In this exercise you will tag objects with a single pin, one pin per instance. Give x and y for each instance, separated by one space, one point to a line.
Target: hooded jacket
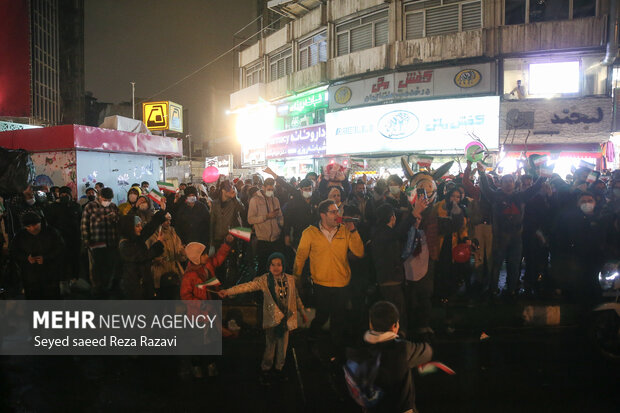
265 229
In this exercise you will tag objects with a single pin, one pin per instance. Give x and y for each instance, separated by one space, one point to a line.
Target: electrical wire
212 61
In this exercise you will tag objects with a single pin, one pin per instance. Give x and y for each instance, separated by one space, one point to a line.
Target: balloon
210 174
475 152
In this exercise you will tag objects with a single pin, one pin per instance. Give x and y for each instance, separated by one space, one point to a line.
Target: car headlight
609 277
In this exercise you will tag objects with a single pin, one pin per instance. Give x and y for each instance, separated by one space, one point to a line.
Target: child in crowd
280 305
398 357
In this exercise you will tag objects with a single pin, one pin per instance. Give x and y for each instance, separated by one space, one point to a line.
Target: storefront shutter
274 71
381 33
414 26
472 16
323 51
343 44
442 20
361 38
289 65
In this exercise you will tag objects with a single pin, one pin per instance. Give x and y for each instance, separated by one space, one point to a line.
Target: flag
541 160
167 186
241 233
546 170
432 367
156 196
211 282
592 177
484 336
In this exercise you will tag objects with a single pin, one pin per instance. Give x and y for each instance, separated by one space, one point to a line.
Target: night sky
158 42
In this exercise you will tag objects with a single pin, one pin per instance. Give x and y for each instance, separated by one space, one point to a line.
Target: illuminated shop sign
309 141
442 125
413 85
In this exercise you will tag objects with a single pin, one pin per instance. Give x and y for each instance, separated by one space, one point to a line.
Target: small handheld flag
166 186
241 233
211 282
432 366
156 196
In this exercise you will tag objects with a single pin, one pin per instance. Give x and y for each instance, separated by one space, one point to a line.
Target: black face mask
91 197
64 200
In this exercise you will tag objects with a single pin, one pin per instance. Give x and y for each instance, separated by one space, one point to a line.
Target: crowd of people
347 242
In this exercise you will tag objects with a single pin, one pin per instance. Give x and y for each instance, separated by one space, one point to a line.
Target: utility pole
133 99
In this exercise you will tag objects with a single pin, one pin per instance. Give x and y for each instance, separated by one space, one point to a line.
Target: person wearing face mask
577 250
299 213
65 216
226 212
90 194
132 197
100 236
191 218
266 218
143 209
396 198
170 261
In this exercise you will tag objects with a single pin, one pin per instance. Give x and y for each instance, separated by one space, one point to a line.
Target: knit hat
30 218
274 256
194 250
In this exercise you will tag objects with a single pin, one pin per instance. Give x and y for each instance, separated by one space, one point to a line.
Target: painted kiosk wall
76 155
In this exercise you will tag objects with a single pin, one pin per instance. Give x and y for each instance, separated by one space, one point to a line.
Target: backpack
360 373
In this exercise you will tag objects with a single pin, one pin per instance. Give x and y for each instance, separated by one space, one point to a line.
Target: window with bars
280 64
362 33
435 17
313 50
253 74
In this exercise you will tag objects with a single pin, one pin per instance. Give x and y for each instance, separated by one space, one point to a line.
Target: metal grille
414 25
442 20
471 16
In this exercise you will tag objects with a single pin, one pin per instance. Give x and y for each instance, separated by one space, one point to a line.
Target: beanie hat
194 250
274 256
30 218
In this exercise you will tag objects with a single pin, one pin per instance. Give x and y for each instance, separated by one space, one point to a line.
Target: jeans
507 247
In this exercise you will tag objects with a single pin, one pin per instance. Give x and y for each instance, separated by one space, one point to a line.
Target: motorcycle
604 329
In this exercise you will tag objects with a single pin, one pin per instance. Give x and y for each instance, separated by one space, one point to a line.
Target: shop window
313 50
363 33
436 17
253 74
562 76
532 11
280 64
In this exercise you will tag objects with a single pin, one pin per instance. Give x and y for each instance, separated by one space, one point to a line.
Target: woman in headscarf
169 262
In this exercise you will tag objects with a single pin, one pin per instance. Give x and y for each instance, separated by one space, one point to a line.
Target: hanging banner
308 141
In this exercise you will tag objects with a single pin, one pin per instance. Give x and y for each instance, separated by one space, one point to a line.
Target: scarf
281 328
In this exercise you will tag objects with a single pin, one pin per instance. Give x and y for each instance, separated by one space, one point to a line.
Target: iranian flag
241 233
166 186
211 282
156 196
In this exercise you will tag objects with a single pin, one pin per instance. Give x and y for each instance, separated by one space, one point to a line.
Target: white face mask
268 194
306 194
587 207
394 190
133 197
191 199
106 204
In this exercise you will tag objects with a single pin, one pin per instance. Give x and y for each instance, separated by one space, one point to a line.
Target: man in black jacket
65 216
191 219
37 250
299 213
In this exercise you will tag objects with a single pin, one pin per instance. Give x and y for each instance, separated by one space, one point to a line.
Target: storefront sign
222 162
413 85
252 156
551 121
308 141
436 125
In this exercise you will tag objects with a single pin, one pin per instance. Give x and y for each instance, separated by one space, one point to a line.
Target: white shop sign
413 85
436 125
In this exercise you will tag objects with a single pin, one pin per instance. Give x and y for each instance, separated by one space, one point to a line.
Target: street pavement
517 369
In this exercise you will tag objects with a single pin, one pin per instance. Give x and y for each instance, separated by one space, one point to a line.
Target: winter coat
192 223
394 377
450 225
298 215
41 281
386 249
100 224
197 274
169 260
66 217
272 315
329 265
137 258
260 206
224 215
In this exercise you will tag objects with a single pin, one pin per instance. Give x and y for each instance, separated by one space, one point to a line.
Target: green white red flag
167 186
241 233
156 196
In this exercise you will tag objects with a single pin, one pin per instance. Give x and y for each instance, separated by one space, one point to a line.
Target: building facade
430 76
